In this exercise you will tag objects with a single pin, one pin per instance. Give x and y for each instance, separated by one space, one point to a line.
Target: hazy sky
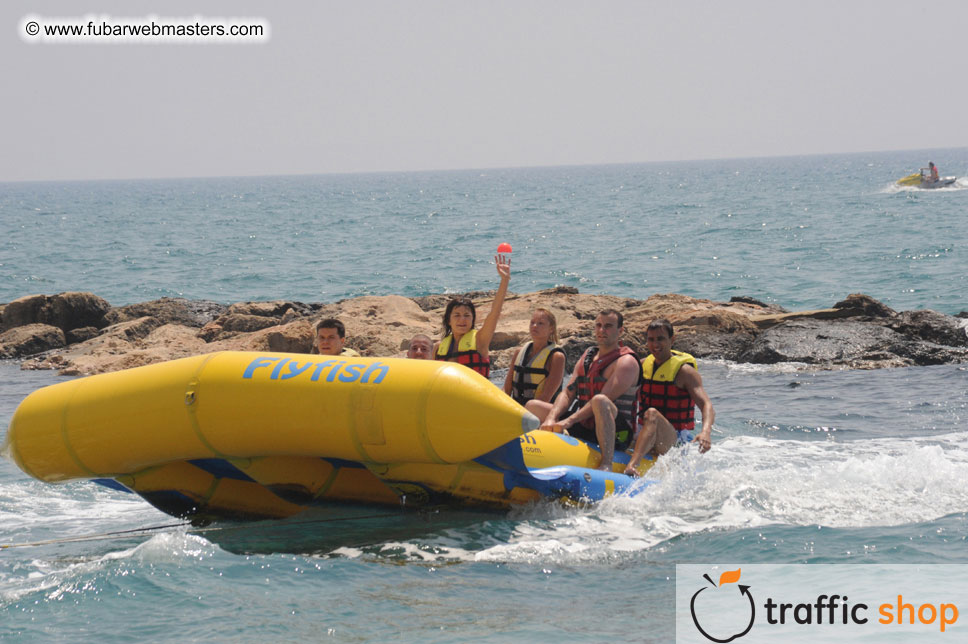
405 85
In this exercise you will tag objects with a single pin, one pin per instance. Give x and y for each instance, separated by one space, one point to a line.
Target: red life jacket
660 391
464 352
589 382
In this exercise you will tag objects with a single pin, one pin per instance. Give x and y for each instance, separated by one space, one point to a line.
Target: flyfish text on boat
327 370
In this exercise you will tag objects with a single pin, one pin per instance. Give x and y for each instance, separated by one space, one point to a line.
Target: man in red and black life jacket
604 387
671 390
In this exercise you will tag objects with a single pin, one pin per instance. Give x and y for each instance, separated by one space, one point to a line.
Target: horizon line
472 169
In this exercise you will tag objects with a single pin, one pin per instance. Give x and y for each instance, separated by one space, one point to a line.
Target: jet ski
922 179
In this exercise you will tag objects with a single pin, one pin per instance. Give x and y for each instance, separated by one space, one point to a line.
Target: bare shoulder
625 370
628 361
688 376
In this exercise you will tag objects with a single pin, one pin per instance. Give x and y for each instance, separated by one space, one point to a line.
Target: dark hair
618 315
660 323
331 323
453 304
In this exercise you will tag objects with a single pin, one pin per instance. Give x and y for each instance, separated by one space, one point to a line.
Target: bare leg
539 408
657 437
605 412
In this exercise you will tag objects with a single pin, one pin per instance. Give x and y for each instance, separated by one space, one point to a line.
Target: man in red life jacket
605 386
671 390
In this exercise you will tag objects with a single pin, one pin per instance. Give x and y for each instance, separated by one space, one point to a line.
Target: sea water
807 467
800 232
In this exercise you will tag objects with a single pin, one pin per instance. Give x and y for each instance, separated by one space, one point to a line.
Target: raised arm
487 329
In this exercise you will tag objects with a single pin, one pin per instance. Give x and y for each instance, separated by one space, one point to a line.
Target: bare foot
631 471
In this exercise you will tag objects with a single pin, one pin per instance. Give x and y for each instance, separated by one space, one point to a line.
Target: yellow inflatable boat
258 435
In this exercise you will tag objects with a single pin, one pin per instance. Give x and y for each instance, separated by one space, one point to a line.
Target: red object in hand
504 247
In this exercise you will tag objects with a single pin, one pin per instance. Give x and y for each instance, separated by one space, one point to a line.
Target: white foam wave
861 483
424 552
57 576
744 482
750 368
347 552
961 183
81 507
58 504
171 547
753 481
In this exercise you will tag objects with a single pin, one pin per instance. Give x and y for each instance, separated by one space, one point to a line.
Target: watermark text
102 28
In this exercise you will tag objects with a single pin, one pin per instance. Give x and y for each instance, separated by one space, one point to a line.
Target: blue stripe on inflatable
507 457
339 462
220 468
171 502
114 485
578 483
582 483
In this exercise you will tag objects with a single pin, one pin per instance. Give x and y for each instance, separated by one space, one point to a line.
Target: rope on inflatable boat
93 537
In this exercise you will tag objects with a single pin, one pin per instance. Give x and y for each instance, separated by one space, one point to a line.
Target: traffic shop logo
725 611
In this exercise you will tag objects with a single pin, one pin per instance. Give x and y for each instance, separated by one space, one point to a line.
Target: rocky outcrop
29 339
242 323
120 346
248 317
275 309
292 337
857 332
860 304
821 341
66 311
168 310
931 326
82 334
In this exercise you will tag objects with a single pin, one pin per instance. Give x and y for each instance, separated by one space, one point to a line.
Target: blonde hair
553 321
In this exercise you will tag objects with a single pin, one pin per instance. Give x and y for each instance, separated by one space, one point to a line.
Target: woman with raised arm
463 343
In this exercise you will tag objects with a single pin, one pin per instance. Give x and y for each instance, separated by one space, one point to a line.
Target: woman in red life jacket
463 343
